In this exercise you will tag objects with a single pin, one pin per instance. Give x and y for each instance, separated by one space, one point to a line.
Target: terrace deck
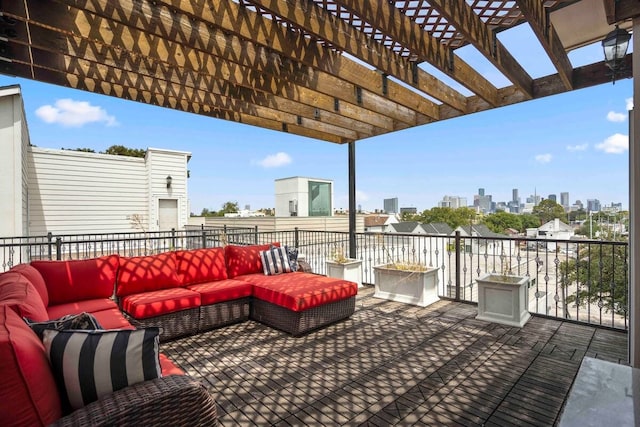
395 364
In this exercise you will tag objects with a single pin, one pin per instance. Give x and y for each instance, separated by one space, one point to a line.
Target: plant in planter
411 283
502 298
342 267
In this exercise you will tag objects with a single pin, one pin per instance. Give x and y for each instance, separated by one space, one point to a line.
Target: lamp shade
615 46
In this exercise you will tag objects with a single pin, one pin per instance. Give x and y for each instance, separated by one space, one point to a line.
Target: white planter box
503 299
350 270
411 287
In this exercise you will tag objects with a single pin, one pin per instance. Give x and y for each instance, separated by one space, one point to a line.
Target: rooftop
395 364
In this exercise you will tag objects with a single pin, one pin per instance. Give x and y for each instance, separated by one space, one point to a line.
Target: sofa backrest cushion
147 273
36 280
201 265
28 396
244 259
77 280
17 292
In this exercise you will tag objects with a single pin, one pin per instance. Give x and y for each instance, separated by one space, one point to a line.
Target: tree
83 150
453 217
600 274
499 222
229 207
529 221
121 150
547 210
578 215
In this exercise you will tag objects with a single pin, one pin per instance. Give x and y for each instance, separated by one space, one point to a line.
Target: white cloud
615 144
543 158
577 147
629 102
70 113
275 160
612 116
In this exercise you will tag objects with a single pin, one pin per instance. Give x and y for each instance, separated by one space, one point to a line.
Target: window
319 198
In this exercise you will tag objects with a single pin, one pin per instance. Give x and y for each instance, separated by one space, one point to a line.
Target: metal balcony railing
579 280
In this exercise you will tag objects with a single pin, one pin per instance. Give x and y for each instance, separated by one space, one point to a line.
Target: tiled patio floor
395 364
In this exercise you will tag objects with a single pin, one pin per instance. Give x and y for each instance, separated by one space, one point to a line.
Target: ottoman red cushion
300 291
222 290
201 265
77 280
157 303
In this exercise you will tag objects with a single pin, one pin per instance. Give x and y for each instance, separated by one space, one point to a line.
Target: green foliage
579 215
547 210
121 150
453 217
228 207
530 221
600 271
83 150
499 222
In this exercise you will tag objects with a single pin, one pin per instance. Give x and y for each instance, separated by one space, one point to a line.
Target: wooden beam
469 24
239 20
621 10
386 18
535 13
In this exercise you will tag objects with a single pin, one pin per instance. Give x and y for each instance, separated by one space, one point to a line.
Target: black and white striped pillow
275 261
90 364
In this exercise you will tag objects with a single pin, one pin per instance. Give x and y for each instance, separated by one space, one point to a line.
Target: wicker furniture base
300 322
172 325
223 313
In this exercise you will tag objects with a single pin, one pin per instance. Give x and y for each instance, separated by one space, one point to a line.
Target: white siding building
64 192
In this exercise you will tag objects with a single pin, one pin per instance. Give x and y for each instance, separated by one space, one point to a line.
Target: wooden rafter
543 28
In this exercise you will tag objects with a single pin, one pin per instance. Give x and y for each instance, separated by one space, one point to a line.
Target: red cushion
156 303
112 319
300 291
244 259
222 290
147 273
17 292
78 280
28 395
201 265
168 367
90 306
36 280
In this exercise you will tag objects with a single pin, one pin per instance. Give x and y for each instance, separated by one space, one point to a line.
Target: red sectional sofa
48 290
181 292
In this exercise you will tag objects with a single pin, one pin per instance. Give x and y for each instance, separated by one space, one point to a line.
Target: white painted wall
14 136
338 223
295 188
161 164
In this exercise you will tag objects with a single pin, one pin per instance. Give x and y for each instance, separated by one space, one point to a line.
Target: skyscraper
514 195
553 197
564 200
481 192
391 205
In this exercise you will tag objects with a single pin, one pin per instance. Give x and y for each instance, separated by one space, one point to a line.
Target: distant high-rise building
553 197
483 202
534 198
481 192
514 195
564 200
593 205
391 205
409 210
453 202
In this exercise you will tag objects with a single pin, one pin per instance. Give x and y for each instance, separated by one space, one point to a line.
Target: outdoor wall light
169 179
615 46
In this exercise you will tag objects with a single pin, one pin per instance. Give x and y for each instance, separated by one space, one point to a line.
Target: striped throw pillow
275 261
90 364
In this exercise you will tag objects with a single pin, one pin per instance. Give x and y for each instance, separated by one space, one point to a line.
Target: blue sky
575 142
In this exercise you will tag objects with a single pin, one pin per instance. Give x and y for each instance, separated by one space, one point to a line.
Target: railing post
457 296
255 235
58 248
296 238
204 239
50 238
173 239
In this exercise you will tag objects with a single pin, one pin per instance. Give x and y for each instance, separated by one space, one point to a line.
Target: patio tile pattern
395 364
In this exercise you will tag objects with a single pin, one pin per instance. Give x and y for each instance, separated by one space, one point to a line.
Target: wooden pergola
333 70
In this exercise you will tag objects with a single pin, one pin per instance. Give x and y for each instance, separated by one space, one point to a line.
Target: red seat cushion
34 276
112 319
156 303
17 292
201 265
300 291
147 273
77 280
28 395
168 367
90 306
244 259
222 290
